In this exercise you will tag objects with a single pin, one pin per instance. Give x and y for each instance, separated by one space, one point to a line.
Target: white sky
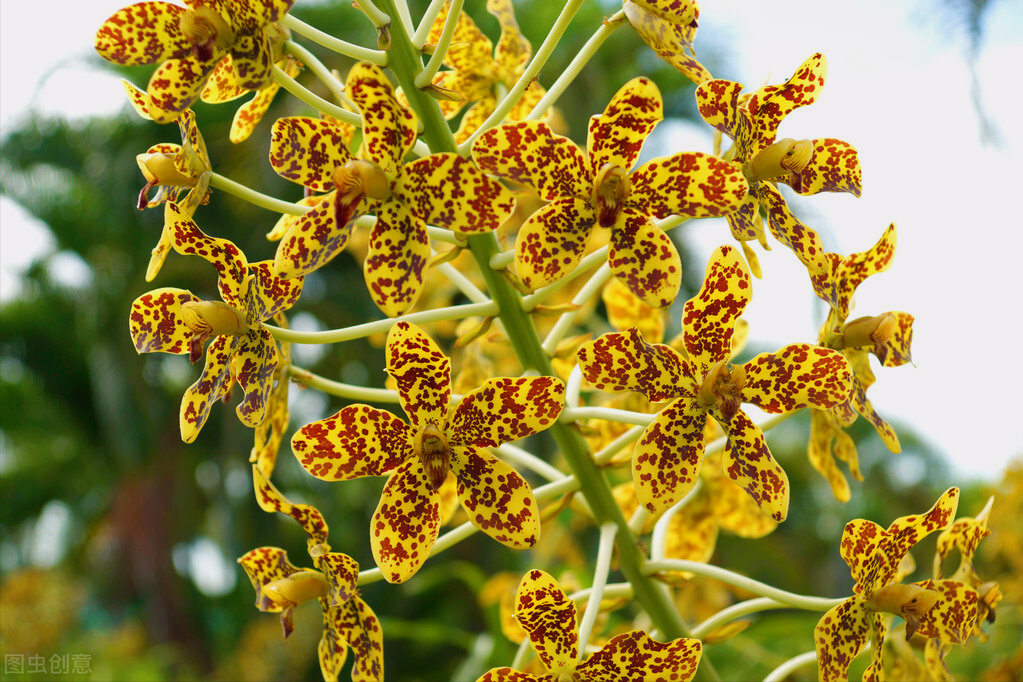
897 89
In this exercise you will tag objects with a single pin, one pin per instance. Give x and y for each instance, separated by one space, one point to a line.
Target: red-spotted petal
529 153
222 86
470 48
270 499
268 293
252 59
264 565
509 675
422 373
708 319
645 259
506 409
837 283
667 458
770 104
211 386
616 136
406 522
308 150
229 261
623 361
342 573
251 113
176 85
637 656
512 50
549 619
357 441
790 230
496 498
552 241
873 553
952 618
143 33
388 128
839 637
254 365
448 190
354 623
399 253
835 167
744 222
689 184
796 376
749 463
317 237
156 324
718 102
668 28
898 344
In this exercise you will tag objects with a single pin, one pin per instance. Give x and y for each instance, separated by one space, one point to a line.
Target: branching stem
331 43
606 544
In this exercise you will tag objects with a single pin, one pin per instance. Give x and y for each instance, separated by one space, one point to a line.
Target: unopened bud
782 157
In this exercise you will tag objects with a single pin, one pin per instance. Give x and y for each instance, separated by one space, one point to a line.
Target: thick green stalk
406 63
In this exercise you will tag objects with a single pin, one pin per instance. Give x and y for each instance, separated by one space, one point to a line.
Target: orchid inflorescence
436 204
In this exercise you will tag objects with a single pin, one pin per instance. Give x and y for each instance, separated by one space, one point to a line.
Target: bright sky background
897 88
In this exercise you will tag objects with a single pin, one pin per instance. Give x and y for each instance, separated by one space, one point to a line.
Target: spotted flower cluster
422 172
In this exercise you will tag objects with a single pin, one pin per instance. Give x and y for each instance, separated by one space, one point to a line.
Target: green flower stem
375 15
331 43
502 260
756 587
574 387
571 414
471 291
314 100
638 520
605 548
743 608
359 331
336 87
785 670
406 18
218 181
531 72
521 459
565 322
567 484
606 453
572 70
310 380
425 77
585 265
654 598
426 23
441 235
613 591
659 539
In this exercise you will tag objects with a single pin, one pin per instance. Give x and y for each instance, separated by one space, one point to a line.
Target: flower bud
782 157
